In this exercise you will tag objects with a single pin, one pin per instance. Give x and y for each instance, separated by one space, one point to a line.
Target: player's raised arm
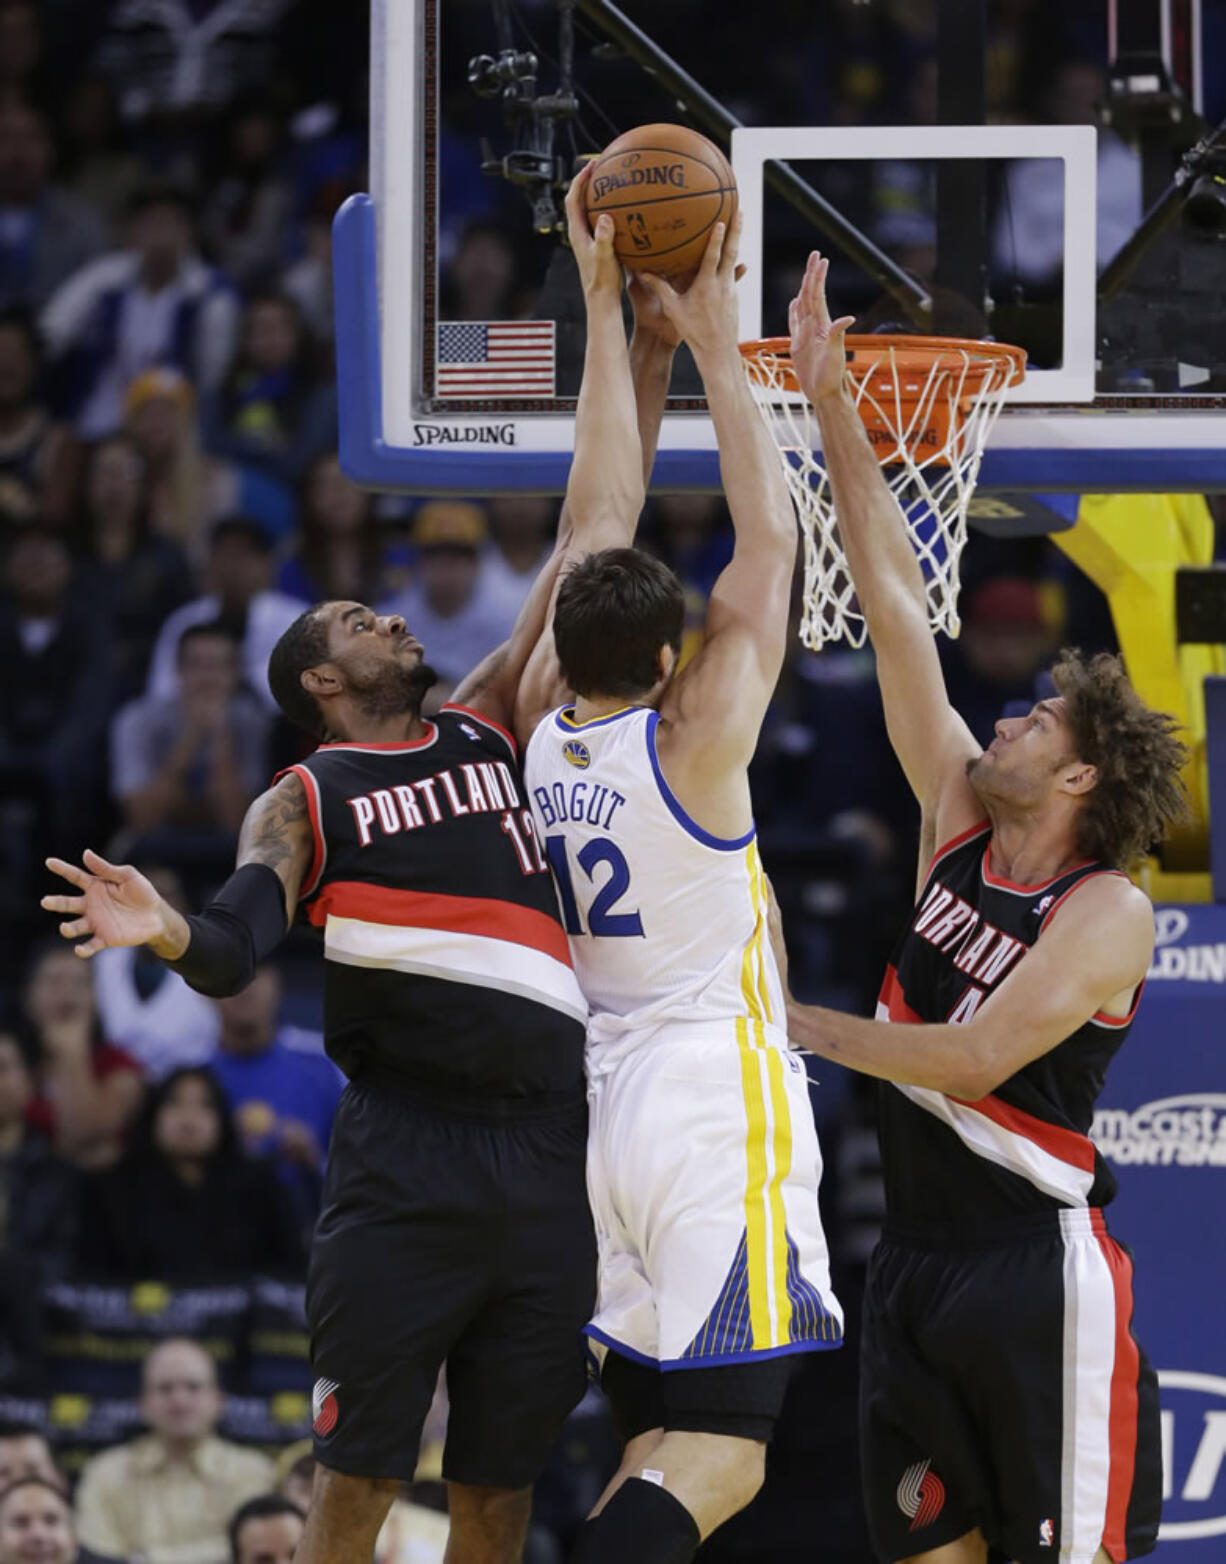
931 740
715 709
1090 959
217 951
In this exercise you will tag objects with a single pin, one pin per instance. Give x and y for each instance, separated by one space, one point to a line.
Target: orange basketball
665 188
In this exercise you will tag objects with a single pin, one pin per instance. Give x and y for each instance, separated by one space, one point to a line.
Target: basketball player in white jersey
703 1164
1005 1402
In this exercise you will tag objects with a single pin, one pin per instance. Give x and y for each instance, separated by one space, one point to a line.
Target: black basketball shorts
1001 1387
450 1237
743 1400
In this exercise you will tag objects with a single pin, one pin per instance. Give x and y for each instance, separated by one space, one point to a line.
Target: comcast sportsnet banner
1161 1123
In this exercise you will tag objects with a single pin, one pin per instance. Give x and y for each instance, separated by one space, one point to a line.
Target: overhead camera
1204 206
532 163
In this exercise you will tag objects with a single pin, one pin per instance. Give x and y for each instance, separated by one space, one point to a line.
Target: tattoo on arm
277 830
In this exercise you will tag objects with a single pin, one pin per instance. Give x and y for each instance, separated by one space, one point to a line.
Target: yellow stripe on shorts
755 1189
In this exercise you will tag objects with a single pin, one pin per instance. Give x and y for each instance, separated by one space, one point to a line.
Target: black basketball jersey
1025 1148
446 958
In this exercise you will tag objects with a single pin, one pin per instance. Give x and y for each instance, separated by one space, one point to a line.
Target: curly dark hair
1139 793
304 645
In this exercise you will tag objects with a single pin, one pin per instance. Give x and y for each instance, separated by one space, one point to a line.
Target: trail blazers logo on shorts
324 1410
921 1495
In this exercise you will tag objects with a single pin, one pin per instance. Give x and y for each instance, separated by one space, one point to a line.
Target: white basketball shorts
703 1173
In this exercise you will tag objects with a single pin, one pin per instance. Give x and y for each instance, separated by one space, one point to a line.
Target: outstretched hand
117 906
818 355
705 313
600 271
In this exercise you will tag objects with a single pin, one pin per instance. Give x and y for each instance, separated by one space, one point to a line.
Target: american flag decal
484 358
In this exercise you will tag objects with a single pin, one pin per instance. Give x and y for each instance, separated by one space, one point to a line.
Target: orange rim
909 359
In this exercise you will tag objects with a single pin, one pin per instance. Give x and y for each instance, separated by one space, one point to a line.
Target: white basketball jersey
667 923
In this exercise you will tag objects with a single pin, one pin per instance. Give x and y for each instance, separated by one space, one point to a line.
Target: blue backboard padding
374 464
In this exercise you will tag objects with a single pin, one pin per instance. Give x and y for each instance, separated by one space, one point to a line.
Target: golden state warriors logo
577 754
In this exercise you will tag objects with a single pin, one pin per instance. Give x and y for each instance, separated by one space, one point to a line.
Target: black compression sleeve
243 923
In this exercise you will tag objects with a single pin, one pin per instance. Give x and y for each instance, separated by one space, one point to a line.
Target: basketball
665 188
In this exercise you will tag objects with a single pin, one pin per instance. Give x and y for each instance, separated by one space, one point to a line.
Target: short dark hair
615 610
15 1427
304 645
1138 794
246 528
38 1482
210 627
162 192
262 1507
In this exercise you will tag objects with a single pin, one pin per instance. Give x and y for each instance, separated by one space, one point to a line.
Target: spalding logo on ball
324 1410
665 187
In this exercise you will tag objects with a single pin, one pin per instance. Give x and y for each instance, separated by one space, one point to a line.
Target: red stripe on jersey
483 915
1060 900
1013 885
894 1000
310 788
1106 1020
954 841
1065 1145
1122 1418
488 722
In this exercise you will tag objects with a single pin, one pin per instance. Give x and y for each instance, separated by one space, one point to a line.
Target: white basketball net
929 428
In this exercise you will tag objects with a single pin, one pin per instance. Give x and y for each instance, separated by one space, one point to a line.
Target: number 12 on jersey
601 918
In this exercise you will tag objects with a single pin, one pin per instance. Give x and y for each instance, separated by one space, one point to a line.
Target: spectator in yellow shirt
167 1498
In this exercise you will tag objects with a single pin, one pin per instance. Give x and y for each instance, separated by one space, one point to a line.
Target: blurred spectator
24 1452
452 608
694 532
167 1498
184 1204
136 576
149 1010
187 490
482 282
522 527
266 1530
1028 234
340 551
294 1473
282 1098
269 413
156 302
89 1091
21 51
238 577
98 166
183 56
37 1203
36 1526
246 221
998 656
45 233
308 281
185 767
35 452
58 676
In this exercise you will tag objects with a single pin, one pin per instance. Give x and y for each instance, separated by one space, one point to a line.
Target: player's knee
494 1517
741 1471
339 1500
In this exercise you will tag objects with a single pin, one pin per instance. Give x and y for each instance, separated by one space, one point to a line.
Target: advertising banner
1161 1123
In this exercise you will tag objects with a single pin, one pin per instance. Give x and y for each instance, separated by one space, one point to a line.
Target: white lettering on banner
1170 924
1189 964
1186 1132
1193 1454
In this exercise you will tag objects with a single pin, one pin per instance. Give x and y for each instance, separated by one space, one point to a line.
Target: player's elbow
975 1068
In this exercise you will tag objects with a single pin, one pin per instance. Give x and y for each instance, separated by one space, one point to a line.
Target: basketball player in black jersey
1004 1401
455 1225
